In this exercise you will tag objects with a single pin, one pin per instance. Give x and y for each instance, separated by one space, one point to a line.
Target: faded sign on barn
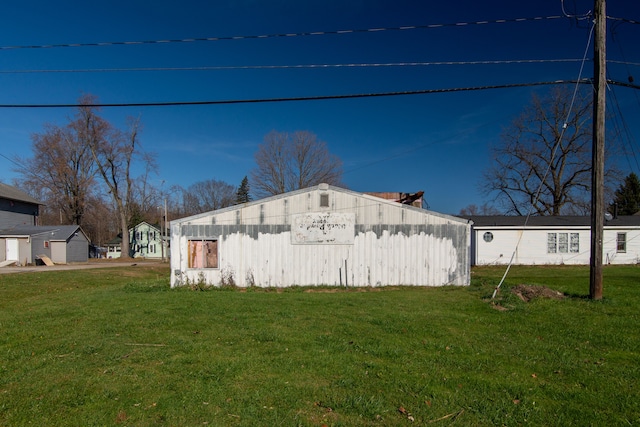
323 228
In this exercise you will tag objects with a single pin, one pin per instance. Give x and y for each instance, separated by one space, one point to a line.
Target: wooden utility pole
597 177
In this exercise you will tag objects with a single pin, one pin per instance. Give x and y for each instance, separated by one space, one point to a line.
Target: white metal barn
551 240
321 235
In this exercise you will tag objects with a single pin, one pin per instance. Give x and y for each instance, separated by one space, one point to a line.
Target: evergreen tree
242 195
627 197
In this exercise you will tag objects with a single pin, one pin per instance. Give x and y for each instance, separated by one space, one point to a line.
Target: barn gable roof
316 188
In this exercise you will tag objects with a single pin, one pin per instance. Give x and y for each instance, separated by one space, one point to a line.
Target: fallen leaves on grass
403 411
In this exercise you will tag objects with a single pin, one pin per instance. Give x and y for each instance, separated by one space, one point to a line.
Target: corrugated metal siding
393 244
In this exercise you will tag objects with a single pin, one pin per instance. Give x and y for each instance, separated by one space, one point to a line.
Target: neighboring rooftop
57 232
12 193
548 221
413 199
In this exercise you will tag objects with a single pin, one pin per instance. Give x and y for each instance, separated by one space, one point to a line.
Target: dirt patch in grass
528 292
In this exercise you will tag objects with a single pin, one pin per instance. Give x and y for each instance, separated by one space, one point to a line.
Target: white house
551 240
322 235
145 241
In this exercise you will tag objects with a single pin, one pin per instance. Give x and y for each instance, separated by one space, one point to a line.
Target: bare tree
208 195
543 161
114 152
146 197
99 222
484 209
286 162
63 168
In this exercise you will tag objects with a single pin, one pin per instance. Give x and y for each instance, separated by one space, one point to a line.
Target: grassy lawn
118 347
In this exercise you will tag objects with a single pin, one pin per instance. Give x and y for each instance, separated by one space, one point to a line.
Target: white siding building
551 240
321 235
145 241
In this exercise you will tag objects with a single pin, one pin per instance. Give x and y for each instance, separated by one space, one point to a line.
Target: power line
611 61
299 66
538 193
300 98
279 35
622 129
628 21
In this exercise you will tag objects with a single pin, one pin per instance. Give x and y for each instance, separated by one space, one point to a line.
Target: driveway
79 266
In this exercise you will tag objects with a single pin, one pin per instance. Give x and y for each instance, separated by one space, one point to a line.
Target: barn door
12 250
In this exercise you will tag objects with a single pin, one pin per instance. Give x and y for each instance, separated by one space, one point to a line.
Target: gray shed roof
59 232
549 221
12 193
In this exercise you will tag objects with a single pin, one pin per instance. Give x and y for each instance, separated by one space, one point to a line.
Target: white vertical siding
271 260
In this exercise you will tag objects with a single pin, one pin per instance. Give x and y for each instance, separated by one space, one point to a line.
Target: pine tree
627 197
242 195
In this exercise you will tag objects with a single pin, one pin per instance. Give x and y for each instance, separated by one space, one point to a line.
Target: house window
203 253
324 200
574 243
563 243
621 243
488 236
552 244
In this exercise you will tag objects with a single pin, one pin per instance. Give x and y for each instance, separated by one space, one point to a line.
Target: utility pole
162 219
597 174
165 247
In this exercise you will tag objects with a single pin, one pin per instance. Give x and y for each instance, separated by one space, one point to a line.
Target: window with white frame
203 253
574 243
621 243
552 243
563 243
324 200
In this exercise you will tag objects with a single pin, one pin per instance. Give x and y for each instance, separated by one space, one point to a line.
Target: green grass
118 347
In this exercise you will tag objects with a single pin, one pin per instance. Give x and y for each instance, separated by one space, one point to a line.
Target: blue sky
438 143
